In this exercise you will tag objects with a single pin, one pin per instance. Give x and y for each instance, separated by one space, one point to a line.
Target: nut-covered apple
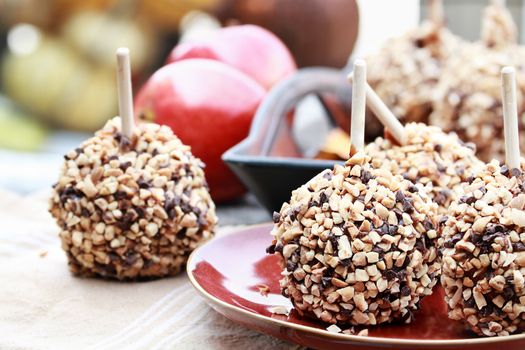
251 49
210 106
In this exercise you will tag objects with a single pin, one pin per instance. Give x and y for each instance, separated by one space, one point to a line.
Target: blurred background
57 77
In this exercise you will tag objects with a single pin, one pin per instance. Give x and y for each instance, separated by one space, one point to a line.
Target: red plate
228 270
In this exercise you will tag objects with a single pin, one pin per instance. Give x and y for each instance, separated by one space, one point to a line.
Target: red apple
209 106
251 49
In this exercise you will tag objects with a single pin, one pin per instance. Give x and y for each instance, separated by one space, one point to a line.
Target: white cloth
42 306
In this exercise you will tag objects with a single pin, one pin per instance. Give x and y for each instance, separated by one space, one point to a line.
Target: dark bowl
269 161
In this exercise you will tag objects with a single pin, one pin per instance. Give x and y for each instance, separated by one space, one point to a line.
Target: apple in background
317 32
249 48
209 106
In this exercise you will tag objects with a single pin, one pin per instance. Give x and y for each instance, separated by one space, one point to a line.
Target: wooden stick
357 129
436 12
125 96
385 116
510 117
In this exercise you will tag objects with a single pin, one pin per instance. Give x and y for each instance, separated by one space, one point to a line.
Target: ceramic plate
229 270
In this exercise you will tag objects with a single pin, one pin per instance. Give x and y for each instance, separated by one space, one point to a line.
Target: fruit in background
97 35
251 49
167 14
53 82
17 130
209 106
49 14
317 32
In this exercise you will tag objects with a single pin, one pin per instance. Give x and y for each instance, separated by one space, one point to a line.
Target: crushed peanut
350 277
483 255
131 208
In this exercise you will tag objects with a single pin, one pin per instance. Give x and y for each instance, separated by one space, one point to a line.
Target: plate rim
321 332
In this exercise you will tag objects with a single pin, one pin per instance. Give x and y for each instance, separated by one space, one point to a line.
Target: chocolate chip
125 143
143 183
504 170
323 198
438 148
326 281
427 224
292 213
279 247
451 242
346 262
419 43
124 166
313 203
408 207
106 270
123 224
467 199
182 233
366 176
120 195
291 266
486 310
518 247
470 302
327 175
379 251
345 314
113 256
270 249
140 212
333 240
405 291
412 189
70 193
420 245
400 196
117 136
186 207
515 172
276 217
508 293
475 238
390 275
131 258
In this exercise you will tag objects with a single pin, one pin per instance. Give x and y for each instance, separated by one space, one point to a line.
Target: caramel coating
483 246
131 209
439 161
357 245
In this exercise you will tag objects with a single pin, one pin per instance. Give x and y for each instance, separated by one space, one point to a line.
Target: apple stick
357 129
510 117
436 12
385 115
125 97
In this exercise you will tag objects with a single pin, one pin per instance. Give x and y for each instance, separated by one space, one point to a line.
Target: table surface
45 307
